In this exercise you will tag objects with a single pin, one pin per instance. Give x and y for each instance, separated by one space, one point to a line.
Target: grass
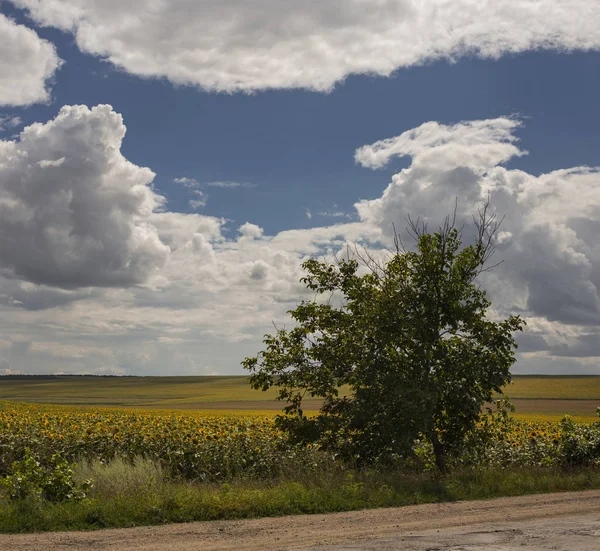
135 495
120 477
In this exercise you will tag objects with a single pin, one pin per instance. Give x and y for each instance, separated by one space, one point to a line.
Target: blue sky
292 150
297 147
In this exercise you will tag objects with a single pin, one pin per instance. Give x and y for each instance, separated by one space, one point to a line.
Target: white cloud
335 212
548 244
7 122
227 184
175 229
192 183
205 301
433 146
45 163
27 63
206 309
73 210
226 45
193 186
189 183
250 231
200 202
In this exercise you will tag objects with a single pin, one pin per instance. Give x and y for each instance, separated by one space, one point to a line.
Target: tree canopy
399 350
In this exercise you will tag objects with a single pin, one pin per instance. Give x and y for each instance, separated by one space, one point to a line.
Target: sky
166 167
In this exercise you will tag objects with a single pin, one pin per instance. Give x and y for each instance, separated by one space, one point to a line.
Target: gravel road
564 522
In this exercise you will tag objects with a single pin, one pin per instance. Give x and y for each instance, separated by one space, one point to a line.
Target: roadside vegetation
68 467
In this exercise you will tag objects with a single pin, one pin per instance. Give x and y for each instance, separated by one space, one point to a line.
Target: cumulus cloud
98 279
434 146
447 162
547 242
73 211
29 296
206 309
27 63
259 44
250 231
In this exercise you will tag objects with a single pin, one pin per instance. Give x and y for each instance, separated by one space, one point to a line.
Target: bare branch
487 226
416 228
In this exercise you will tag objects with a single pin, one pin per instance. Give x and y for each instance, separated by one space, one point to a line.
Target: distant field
554 387
548 396
156 392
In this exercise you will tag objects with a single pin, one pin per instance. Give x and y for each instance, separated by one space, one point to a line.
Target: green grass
127 496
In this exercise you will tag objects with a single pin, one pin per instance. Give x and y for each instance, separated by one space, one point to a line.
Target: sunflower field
190 445
213 447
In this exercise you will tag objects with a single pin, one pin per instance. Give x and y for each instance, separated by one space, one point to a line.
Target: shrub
54 482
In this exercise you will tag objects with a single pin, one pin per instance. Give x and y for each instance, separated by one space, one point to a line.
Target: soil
523 405
556 406
566 521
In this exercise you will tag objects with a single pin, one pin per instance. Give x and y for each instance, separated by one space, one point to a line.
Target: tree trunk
440 453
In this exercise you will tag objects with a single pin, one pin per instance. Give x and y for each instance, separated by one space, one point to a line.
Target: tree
402 352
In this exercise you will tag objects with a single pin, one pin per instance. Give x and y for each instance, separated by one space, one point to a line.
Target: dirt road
566 522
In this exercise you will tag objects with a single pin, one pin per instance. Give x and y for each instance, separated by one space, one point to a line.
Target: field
547 396
147 392
211 446
187 444
197 448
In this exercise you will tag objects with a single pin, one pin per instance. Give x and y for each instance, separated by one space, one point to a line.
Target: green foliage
580 444
333 490
411 341
54 482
